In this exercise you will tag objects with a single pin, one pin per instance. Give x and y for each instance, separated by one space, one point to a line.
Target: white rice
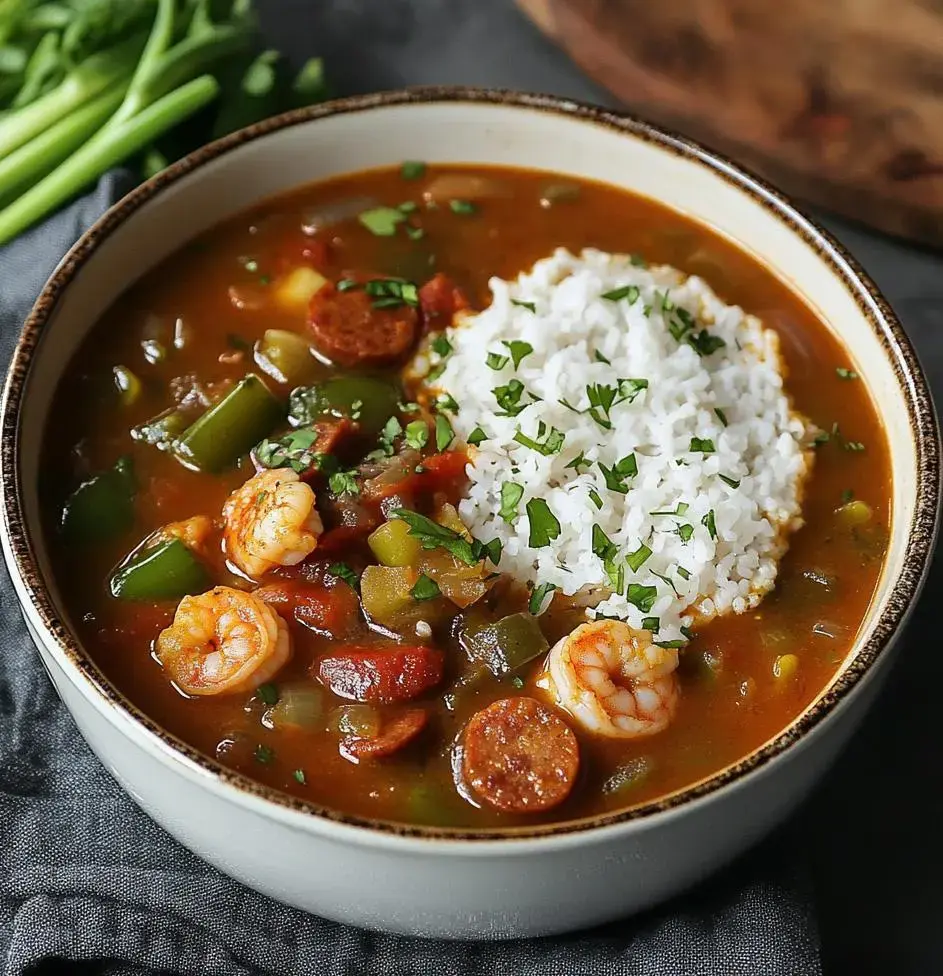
694 572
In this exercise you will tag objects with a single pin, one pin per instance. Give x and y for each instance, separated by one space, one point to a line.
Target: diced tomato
443 473
329 610
439 300
381 674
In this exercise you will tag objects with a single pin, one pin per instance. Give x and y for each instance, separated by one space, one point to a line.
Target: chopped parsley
517 681
846 374
733 482
392 292
600 358
477 436
407 206
299 775
343 572
431 535
346 284
547 442
606 550
683 573
685 531
630 389
846 496
667 580
681 508
579 462
509 398
382 221
821 437
391 430
708 523
642 597
615 476
536 602
651 623
294 451
414 233
703 444
343 483
417 434
637 261
440 345
721 416
704 343
630 292
530 306
444 435
464 207
496 361
594 497
511 494
412 169
544 527
267 693
445 401
518 350
670 645
637 559
425 589
264 754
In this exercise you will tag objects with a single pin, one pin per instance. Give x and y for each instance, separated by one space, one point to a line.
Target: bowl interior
530 133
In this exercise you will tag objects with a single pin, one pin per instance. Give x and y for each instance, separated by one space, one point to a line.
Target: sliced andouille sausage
519 756
348 328
440 299
393 735
381 674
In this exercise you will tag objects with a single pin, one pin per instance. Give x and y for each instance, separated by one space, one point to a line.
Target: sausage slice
381 675
349 329
393 736
519 756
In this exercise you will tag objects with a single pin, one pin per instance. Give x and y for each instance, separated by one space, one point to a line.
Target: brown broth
725 713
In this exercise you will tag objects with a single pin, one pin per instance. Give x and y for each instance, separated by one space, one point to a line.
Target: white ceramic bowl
519 882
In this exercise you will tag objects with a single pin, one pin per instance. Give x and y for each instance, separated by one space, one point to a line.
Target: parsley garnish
508 398
579 462
683 573
444 435
415 233
846 496
630 292
704 343
293 451
544 527
518 350
343 483
606 550
536 602
392 292
640 596
343 572
446 402
685 531
431 535
600 358
651 623
517 681
530 306
299 775
412 169
477 436
846 374
703 444
267 693
733 482
425 589
667 580
637 261
594 497
670 645
708 523
721 416
346 284
264 754
511 494
551 443
637 559
417 434
463 207
616 475
680 510
382 221
440 345
496 361
391 430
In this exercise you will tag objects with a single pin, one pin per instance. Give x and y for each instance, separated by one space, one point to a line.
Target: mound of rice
631 432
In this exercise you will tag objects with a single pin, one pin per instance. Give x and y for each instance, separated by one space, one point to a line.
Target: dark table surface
873 826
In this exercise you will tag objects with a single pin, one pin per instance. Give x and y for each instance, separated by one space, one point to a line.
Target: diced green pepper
102 507
385 592
287 357
231 427
392 544
160 431
166 571
504 645
366 399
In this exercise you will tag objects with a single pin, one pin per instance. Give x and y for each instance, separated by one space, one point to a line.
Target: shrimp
192 532
271 521
613 680
222 642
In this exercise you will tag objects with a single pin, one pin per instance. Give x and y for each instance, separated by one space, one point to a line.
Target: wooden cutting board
838 102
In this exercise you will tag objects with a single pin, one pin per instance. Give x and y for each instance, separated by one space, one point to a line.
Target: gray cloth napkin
90 885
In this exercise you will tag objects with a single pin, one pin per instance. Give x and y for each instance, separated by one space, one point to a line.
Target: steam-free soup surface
182 337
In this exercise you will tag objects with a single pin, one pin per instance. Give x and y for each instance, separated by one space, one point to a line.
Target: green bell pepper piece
504 645
102 507
231 427
366 399
166 571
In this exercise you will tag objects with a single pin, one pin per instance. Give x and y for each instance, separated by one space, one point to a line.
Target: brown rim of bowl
885 324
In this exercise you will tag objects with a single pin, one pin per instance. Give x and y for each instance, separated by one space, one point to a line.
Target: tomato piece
440 473
381 674
328 610
439 300
393 736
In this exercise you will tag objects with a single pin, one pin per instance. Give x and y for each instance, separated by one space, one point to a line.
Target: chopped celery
368 400
166 571
160 431
101 507
300 705
503 645
230 428
287 357
385 593
359 720
392 544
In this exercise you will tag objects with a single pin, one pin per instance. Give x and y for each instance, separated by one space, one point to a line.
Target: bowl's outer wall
430 886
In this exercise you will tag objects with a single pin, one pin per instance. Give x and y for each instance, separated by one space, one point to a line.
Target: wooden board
837 102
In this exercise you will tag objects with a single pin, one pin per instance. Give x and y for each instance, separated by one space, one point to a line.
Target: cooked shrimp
192 532
613 680
222 642
271 521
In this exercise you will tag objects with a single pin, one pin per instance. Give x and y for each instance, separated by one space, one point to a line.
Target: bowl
437 882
